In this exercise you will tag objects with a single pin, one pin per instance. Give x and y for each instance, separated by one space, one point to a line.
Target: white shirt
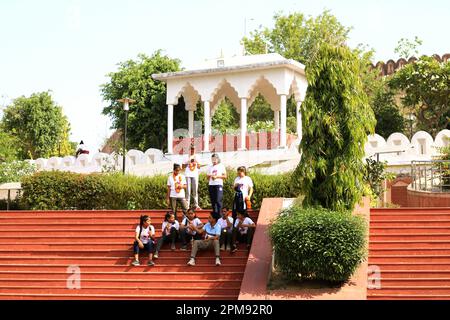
171 183
146 233
196 223
223 223
245 183
191 170
243 230
217 170
176 224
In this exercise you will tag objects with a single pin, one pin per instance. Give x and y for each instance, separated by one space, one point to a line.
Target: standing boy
176 184
192 167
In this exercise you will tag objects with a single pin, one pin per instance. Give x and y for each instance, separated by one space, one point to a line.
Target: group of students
222 231
220 234
181 189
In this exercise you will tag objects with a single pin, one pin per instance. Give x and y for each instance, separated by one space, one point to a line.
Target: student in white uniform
144 240
188 226
216 174
243 231
226 224
170 228
176 186
191 172
243 185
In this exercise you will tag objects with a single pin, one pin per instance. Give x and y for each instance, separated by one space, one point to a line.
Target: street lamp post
126 107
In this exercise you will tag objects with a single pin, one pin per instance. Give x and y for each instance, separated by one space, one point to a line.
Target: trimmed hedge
56 190
318 244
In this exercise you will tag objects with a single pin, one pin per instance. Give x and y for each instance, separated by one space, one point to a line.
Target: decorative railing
232 143
432 176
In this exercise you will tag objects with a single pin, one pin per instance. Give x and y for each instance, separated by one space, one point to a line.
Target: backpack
238 203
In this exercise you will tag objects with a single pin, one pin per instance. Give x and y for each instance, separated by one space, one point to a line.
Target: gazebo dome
241 79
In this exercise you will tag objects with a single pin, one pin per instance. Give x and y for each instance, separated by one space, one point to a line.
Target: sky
69 46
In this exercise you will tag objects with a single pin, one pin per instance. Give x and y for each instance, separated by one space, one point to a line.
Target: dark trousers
243 238
216 196
226 238
174 202
148 246
185 237
172 237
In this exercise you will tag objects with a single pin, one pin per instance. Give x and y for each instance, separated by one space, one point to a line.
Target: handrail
431 175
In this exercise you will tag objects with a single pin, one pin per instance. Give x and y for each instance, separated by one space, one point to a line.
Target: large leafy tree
39 126
337 119
147 124
296 36
425 89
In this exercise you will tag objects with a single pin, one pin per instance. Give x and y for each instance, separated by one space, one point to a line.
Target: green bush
14 171
319 244
55 190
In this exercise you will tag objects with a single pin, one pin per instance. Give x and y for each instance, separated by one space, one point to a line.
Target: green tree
38 123
339 118
260 110
9 147
387 112
226 117
406 48
296 36
425 89
147 124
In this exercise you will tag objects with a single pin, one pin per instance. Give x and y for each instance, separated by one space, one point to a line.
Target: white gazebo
240 79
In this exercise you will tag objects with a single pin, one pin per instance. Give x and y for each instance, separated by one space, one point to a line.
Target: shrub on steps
56 190
318 244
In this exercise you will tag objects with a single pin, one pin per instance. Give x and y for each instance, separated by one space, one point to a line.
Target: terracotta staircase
411 247
36 249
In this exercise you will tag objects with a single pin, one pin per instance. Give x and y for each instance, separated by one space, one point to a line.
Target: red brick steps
36 249
141 276
143 283
82 296
411 248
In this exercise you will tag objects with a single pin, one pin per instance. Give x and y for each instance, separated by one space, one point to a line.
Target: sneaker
172 247
228 249
191 262
183 248
218 261
155 256
136 263
151 263
234 250
222 248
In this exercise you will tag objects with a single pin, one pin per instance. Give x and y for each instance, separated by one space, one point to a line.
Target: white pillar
299 120
243 123
170 128
283 127
191 123
276 119
207 123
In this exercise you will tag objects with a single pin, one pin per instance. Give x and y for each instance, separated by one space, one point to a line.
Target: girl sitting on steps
144 240
170 229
